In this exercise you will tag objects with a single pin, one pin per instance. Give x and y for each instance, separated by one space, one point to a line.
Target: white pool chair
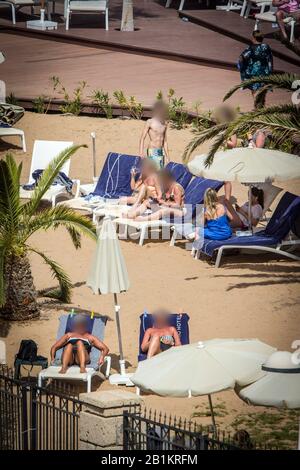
16 5
270 17
93 6
12 131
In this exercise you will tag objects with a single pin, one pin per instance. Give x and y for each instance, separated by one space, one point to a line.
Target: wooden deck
160 33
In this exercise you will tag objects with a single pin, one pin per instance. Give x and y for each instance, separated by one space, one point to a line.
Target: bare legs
67 358
80 357
280 17
153 346
228 190
235 221
164 212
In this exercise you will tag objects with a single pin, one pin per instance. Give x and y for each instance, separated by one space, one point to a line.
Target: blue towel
96 327
180 173
179 321
114 181
281 222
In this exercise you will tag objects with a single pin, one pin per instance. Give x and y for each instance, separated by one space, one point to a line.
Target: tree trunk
127 16
21 295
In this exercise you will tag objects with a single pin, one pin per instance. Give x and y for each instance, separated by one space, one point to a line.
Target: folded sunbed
96 327
273 239
179 320
194 196
44 151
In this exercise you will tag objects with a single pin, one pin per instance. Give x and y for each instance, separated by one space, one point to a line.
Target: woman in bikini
77 346
239 215
145 186
161 336
170 203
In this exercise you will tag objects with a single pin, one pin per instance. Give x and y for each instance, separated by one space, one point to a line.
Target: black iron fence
34 418
149 431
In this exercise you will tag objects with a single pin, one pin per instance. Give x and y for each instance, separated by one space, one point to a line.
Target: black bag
27 350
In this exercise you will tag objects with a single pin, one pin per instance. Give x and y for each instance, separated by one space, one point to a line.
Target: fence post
33 397
24 411
101 418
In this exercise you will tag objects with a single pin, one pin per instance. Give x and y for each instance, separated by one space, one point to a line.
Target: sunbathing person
161 336
156 130
171 202
215 217
77 346
240 214
145 186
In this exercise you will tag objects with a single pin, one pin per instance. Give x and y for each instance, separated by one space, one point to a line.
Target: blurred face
160 112
147 168
80 327
166 182
161 319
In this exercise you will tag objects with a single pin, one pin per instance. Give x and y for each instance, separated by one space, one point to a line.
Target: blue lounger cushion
281 222
179 320
96 327
180 172
114 181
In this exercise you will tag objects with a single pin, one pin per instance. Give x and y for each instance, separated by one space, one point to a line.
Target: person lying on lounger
171 202
161 336
145 186
77 346
239 215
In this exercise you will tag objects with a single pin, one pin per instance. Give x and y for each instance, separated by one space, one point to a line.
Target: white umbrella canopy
203 368
108 275
280 386
248 165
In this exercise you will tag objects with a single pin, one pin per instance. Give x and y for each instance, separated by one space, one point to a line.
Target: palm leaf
283 81
75 223
47 178
2 281
63 293
200 138
9 197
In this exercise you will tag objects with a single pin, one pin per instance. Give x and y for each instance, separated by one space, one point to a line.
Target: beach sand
249 297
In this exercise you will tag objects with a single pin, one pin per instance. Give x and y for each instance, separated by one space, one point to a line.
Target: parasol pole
249 206
212 411
117 311
93 136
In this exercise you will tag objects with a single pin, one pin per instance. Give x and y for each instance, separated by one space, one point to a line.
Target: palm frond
283 81
200 138
63 216
63 293
2 281
9 195
47 178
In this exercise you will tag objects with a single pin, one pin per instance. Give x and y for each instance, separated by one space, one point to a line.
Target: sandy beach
249 297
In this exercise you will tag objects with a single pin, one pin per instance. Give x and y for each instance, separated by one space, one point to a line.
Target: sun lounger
2 352
179 320
270 240
96 327
12 131
43 153
16 5
180 172
188 230
194 195
113 183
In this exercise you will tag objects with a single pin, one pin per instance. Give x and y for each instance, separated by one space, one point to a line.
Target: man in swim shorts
156 129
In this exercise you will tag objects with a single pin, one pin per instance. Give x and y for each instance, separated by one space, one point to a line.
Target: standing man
156 130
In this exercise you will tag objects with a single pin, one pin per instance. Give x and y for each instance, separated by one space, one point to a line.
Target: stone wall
101 418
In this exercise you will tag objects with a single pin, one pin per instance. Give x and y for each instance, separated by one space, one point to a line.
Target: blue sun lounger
269 240
114 181
180 172
179 320
96 327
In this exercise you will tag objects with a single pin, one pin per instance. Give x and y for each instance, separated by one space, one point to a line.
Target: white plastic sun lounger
12 131
142 228
73 372
43 153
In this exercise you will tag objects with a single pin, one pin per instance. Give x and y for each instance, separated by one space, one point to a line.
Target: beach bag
10 114
27 350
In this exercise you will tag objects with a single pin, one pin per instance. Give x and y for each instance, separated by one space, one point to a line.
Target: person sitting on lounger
145 186
171 202
161 336
156 129
215 217
240 214
77 346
